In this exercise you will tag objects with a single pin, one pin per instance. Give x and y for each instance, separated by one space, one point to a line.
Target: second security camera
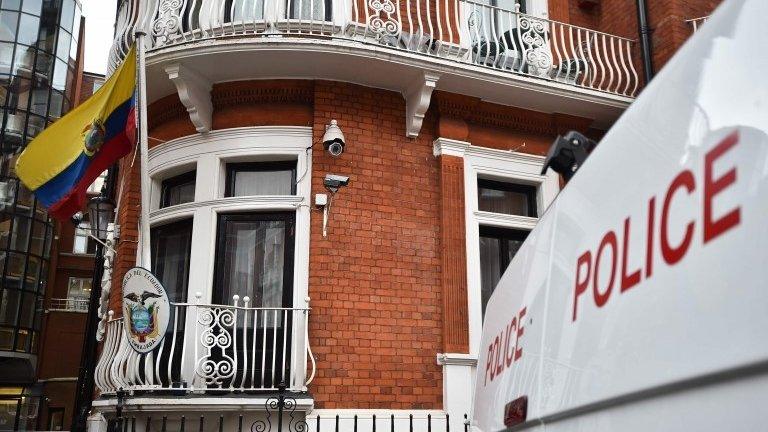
333 139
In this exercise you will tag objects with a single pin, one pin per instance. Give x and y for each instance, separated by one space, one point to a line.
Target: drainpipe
645 39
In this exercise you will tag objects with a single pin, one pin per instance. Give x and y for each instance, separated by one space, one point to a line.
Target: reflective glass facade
38 50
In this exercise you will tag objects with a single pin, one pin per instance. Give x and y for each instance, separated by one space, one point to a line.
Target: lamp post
101 212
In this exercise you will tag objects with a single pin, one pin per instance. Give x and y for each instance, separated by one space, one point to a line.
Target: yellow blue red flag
60 164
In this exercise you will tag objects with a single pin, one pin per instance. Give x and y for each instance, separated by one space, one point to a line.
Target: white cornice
362 49
449 147
456 359
232 133
505 155
505 220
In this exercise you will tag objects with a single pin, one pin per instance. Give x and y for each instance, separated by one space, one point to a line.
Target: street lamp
101 212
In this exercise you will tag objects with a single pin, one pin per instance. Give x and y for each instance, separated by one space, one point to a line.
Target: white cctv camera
333 139
333 182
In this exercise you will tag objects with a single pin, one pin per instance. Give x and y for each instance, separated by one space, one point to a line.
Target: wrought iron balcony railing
68 304
463 31
213 348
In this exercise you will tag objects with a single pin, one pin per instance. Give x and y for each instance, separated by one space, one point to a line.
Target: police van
640 300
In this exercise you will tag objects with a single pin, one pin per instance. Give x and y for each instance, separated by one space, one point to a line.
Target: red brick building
372 303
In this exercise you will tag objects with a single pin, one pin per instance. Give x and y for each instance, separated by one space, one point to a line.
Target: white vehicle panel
688 162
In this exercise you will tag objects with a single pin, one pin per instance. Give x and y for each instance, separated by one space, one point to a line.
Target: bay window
237 194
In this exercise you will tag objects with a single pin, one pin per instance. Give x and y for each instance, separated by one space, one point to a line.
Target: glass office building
38 69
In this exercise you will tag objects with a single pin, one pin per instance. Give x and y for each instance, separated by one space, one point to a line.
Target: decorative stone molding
417 97
195 93
266 92
449 147
476 111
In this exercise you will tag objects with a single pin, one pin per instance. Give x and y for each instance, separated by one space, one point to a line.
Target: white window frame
509 167
208 154
500 165
82 226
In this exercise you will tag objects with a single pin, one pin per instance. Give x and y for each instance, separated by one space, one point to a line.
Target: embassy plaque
146 309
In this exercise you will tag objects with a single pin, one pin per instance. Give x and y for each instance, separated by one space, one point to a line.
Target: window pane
82 242
31 278
23 62
47 36
44 65
178 190
39 103
20 235
32 6
498 197
79 289
6 57
57 99
60 75
37 242
490 267
9 306
67 14
11 4
497 248
251 259
28 26
6 343
8 22
15 268
5 230
261 179
171 245
28 306
62 46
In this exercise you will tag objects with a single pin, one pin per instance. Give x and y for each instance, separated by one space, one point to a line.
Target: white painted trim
194 93
377 51
449 147
506 166
417 96
208 154
194 404
456 359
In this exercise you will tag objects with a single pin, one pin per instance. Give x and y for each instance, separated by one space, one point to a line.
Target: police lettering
614 248
503 352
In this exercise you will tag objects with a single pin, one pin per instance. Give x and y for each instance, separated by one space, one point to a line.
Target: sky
99 29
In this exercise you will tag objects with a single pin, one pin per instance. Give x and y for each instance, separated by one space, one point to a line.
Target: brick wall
375 279
377 282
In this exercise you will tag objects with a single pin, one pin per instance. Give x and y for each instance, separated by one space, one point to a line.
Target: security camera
333 139
333 182
567 154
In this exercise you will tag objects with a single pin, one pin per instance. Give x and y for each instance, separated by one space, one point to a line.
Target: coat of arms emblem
143 315
146 309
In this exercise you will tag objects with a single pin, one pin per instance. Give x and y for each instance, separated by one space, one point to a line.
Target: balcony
409 46
212 350
68 305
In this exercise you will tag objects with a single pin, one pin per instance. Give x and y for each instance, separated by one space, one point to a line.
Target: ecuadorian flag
60 164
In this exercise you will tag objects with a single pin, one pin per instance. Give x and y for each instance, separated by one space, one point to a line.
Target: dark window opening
178 190
497 248
507 198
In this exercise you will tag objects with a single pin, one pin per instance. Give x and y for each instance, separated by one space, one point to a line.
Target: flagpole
143 255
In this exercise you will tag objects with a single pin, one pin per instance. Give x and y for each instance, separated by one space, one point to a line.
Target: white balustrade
464 31
212 348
